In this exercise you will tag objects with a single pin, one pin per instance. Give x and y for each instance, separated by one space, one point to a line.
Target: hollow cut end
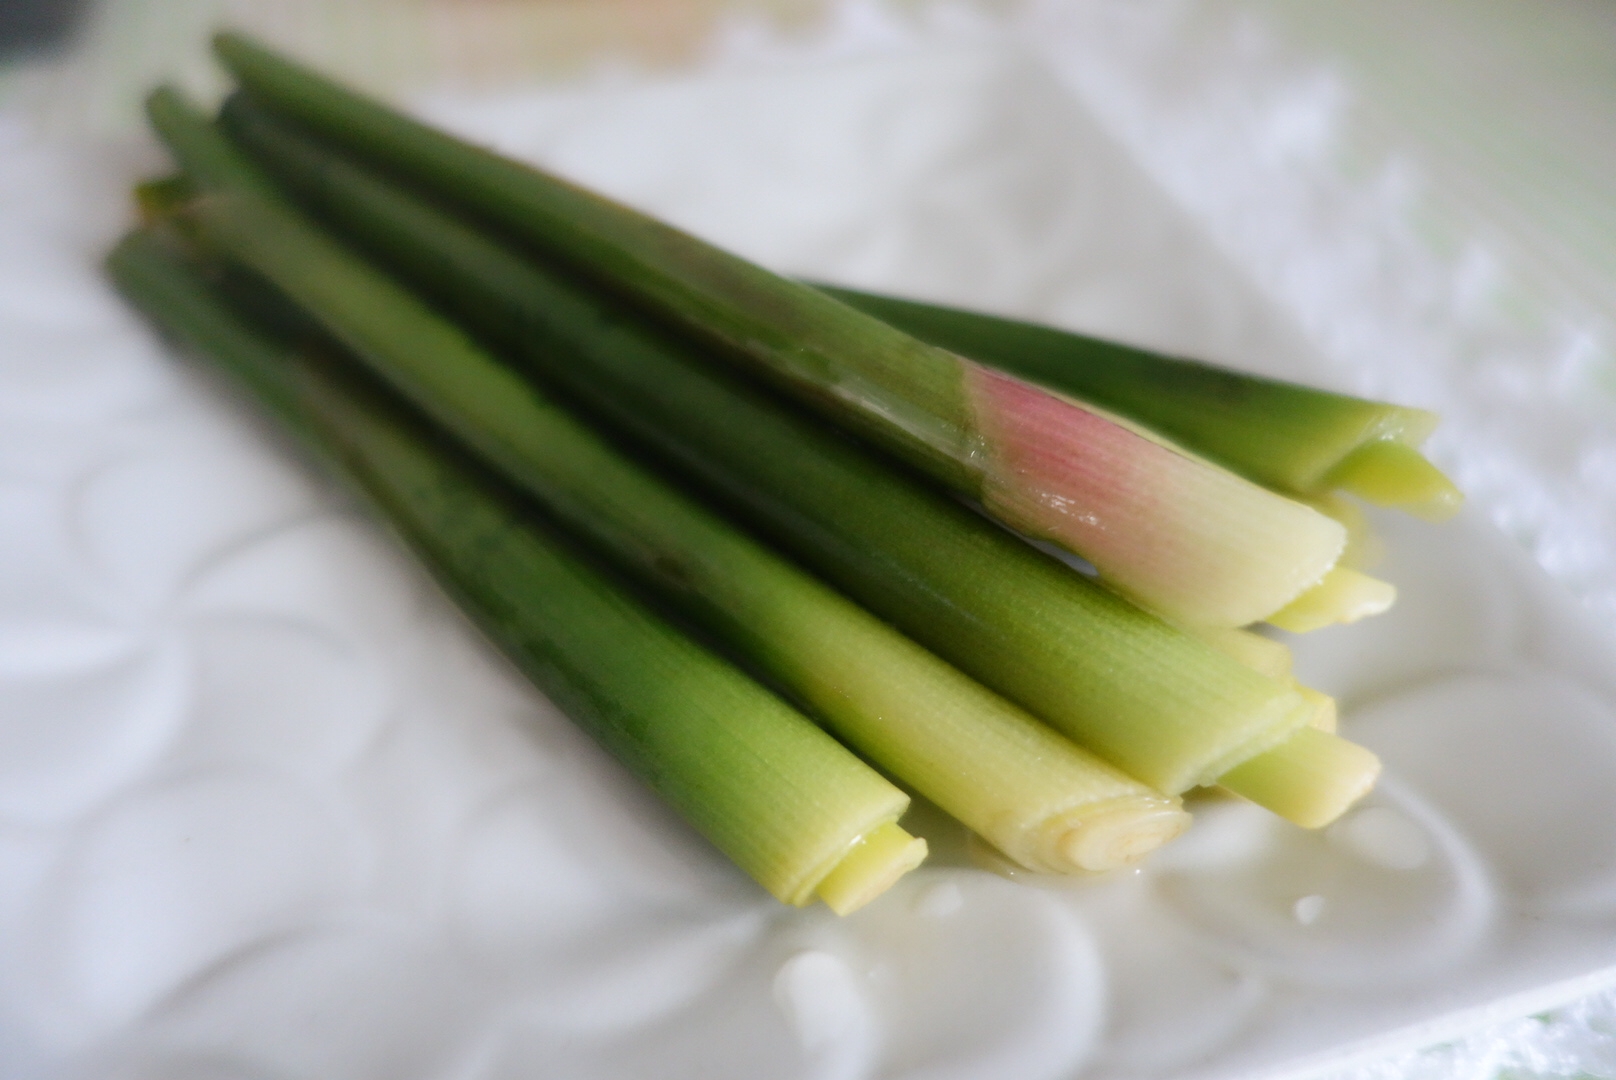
1343 595
1121 835
874 863
1310 779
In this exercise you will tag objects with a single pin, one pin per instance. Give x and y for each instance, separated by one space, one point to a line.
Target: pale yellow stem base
874 863
1343 596
1121 835
1310 779
1392 473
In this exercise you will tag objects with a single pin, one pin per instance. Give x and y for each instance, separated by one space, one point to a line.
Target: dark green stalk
863 367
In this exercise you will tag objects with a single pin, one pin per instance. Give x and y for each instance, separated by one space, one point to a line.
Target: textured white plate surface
269 810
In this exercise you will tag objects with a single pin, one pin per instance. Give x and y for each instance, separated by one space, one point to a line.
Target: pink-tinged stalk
1182 537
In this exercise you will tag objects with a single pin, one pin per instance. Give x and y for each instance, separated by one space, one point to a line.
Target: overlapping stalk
1045 802
1179 536
1289 437
1162 704
788 804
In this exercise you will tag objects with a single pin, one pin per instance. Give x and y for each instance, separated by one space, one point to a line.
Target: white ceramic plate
268 809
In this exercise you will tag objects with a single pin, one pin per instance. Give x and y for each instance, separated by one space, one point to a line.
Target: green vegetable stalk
1161 704
790 806
1291 438
1166 528
1032 793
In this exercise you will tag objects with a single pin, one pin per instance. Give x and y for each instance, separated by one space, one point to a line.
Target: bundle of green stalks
788 804
506 365
1195 543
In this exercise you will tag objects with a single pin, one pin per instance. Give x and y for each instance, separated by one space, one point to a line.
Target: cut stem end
871 867
1343 596
1310 779
1122 835
1324 709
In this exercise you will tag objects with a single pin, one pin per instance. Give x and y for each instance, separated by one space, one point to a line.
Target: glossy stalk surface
1168 529
1036 795
1159 703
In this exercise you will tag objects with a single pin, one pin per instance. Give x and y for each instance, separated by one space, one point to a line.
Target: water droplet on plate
819 999
940 900
1308 909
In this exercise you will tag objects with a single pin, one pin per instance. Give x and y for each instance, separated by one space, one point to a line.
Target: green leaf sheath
1160 704
774 792
1280 434
987 762
902 394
